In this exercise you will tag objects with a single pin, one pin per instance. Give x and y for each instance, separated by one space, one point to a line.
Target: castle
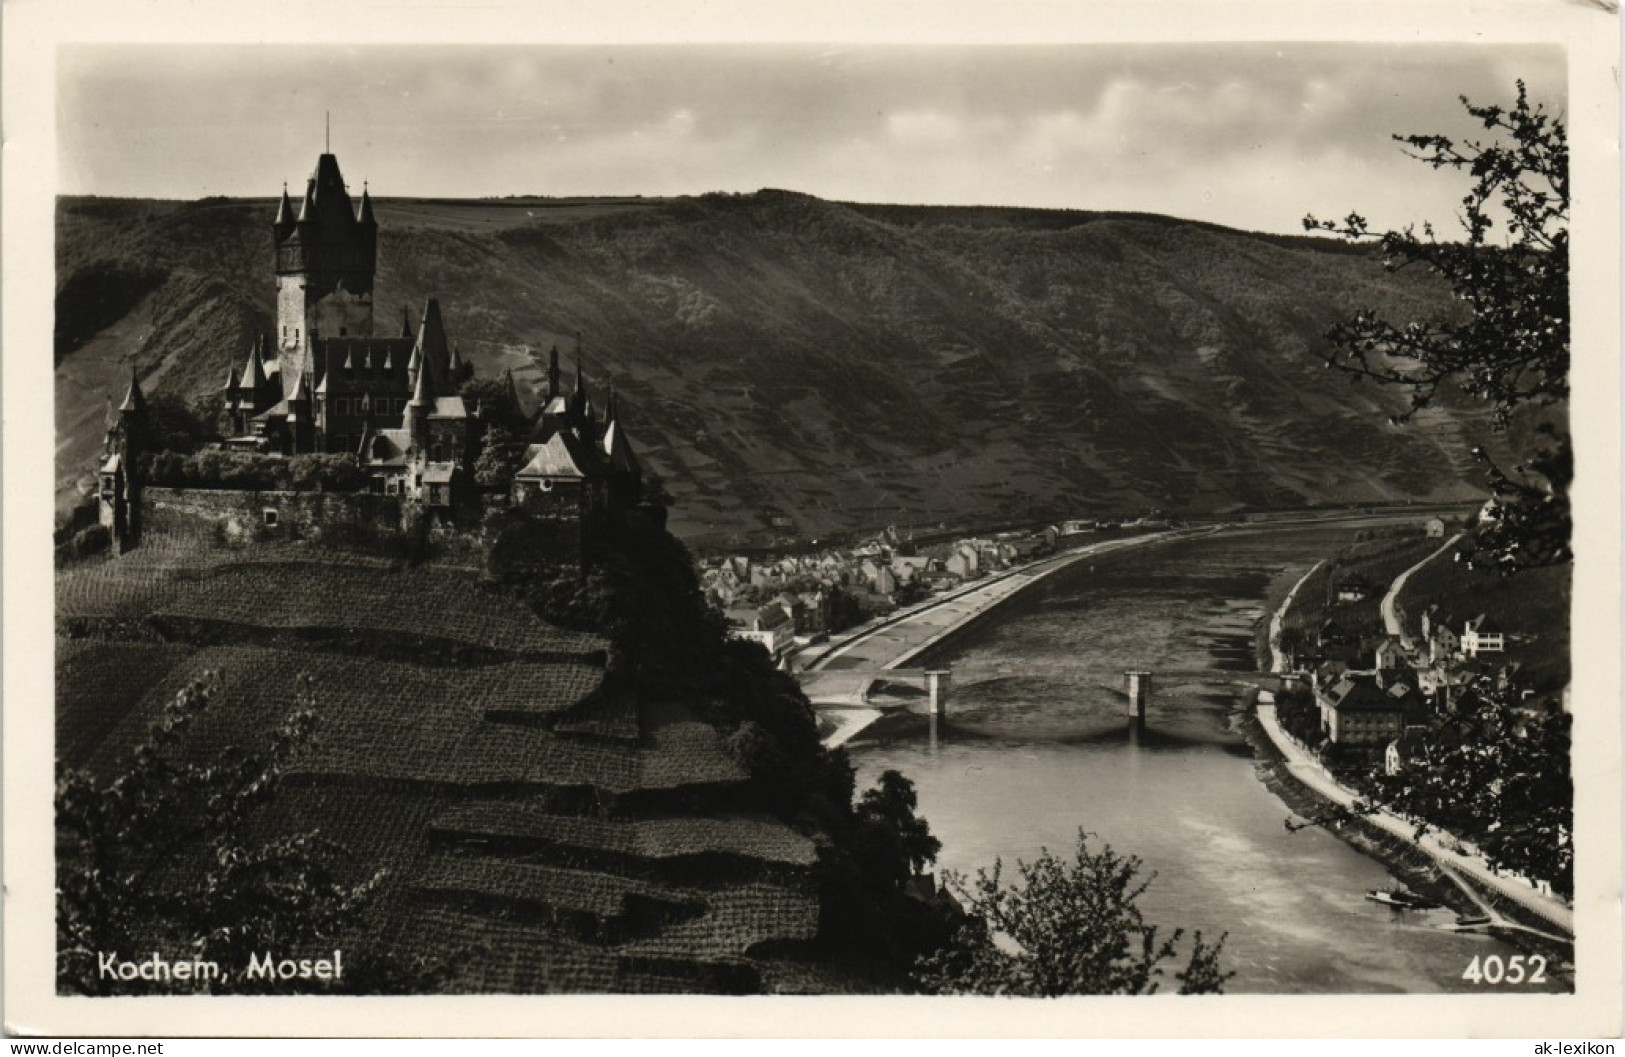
324 383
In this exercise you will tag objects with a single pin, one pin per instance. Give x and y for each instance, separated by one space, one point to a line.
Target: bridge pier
1139 691
936 687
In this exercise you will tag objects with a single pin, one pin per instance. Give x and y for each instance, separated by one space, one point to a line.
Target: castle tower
120 491
325 258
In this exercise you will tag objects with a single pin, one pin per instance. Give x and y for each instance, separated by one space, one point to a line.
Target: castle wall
243 516
340 518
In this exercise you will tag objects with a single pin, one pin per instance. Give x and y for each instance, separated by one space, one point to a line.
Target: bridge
851 687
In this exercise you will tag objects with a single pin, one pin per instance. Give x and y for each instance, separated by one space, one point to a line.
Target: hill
554 809
844 365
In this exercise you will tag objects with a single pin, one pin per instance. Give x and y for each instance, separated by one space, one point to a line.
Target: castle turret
365 218
324 266
580 402
432 351
120 492
283 226
417 411
555 381
301 417
134 408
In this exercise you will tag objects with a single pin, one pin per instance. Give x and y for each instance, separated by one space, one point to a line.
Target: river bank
1425 862
838 679
1035 746
1410 865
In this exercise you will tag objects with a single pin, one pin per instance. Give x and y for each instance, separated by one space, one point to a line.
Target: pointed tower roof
134 399
580 402
366 218
284 215
231 378
432 345
456 361
254 374
555 384
406 321
610 409
307 205
423 391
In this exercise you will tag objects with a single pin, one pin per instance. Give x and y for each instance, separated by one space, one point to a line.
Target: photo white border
33 29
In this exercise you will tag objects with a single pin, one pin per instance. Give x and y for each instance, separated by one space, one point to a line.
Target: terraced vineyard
284 588
539 830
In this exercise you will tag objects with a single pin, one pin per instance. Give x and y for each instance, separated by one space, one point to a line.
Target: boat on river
1400 899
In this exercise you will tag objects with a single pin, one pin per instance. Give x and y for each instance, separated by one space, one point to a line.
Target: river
1037 745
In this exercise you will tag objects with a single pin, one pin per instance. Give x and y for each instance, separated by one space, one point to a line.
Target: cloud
1242 134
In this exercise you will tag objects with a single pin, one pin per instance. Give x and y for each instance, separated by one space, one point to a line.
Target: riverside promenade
838 677
1452 855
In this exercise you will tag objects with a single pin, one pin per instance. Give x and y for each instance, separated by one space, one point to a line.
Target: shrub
85 542
338 472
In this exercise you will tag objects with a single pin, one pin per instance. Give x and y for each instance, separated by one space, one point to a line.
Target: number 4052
1517 969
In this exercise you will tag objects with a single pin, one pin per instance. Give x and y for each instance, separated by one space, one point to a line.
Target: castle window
344 332
392 486
269 514
342 406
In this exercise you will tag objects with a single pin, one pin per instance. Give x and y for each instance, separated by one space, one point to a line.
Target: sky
1251 136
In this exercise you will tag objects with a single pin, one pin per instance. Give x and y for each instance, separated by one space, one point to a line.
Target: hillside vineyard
380 543
804 368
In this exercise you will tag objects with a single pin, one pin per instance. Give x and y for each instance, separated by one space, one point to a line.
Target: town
1439 694
791 602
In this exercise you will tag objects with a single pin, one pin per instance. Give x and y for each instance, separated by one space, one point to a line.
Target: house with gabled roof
1353 588
1365 709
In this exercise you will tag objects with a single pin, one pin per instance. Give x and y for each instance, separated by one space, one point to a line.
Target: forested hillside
846 366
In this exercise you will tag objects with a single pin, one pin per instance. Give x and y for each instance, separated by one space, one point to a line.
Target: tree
1501 781
167 856
1509 346
892 804
173 424
1065 929
499 456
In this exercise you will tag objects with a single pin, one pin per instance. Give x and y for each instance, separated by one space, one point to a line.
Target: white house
1478 636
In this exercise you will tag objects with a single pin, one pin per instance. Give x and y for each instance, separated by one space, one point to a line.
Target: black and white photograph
658 514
